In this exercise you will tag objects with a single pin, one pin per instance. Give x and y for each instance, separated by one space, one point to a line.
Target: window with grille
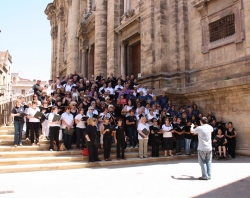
222 28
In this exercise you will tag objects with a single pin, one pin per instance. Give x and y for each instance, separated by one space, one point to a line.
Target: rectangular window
222 28
23 92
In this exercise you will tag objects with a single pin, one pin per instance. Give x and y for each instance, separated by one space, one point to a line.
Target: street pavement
178 179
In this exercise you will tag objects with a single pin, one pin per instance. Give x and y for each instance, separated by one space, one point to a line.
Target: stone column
60 39
123 59
101 37
90 61
84 63
54 33
73 42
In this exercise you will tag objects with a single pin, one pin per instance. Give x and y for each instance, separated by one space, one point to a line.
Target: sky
25 33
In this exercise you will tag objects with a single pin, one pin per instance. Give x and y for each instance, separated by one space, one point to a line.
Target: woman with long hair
107 138
231 139
91 134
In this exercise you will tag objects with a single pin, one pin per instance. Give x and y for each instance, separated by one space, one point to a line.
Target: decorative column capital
69 2
124 43
53 32
60 14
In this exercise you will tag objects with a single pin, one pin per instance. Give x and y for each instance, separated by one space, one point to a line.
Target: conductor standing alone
204 147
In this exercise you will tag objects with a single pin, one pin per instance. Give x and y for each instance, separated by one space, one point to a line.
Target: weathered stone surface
175 54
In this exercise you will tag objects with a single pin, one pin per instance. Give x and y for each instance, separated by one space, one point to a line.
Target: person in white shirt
204 147
34 123
118 87
80 127
68 86
54 127
143 139
110 89
167 137
67 122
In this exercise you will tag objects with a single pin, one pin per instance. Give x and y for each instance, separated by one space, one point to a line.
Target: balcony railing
5 110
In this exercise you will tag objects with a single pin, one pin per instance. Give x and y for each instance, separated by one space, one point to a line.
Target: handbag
85 152
69 132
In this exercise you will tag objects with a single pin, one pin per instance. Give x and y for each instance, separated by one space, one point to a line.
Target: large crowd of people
98 112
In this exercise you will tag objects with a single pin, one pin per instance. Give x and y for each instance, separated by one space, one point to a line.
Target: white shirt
117 87
68 118
32 112
140 128
204 137
167 128
50 118
111 90
68 87
80 124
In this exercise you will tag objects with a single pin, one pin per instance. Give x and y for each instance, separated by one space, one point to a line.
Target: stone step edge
78 165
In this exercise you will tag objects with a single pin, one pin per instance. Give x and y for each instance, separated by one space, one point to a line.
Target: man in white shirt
68 86
110 89
204 147
118 87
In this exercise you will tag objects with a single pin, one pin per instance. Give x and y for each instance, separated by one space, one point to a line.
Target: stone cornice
50 10
135 18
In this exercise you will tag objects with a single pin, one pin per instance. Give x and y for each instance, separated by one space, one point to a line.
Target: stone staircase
38 158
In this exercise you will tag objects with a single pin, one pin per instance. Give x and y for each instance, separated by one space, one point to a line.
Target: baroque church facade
193 49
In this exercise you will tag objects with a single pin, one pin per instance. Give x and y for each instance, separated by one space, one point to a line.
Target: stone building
194 49
5 77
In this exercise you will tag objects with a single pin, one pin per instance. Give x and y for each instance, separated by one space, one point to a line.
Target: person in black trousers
54 127
120 139
90 135
231 139
107 138
155 137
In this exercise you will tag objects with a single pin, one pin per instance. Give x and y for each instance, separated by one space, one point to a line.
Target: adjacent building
22 86
5 77
195 50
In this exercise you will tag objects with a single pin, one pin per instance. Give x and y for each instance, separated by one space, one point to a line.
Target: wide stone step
11 127
39 160
6 132
8 148
83 164
24 142
30 154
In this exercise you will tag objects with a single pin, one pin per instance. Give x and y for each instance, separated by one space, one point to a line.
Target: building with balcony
22 86
6 92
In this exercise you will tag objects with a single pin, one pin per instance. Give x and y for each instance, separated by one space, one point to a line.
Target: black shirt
16 110
91 131
187 129
131 119
179 128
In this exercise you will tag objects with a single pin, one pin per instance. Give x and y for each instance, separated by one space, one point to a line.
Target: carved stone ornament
60 13
69 2
201 6
53 32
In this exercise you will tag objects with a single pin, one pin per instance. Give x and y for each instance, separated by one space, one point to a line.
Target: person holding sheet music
143 132
54 127
17 112
34 116
80 120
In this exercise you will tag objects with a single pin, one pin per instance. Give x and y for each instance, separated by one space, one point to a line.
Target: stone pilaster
114 15
147 40
101 37
73 45
60 39
84 61
123 59
54 34
91 54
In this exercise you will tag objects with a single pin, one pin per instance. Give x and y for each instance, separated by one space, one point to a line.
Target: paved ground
231 178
